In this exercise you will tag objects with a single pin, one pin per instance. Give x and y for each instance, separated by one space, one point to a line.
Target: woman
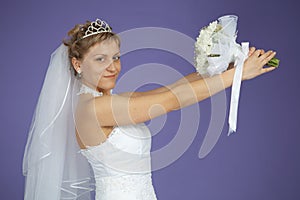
79 124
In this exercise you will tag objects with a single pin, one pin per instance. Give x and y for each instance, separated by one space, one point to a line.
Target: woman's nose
111 67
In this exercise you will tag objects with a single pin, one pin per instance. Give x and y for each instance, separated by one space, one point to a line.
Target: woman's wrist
227 77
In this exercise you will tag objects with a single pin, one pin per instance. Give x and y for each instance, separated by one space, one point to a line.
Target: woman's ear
76 64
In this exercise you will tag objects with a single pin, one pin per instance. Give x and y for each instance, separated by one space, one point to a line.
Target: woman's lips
110 76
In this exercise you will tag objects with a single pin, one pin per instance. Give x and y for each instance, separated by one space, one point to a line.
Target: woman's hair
78 46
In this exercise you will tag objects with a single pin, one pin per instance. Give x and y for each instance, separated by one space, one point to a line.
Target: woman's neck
97 89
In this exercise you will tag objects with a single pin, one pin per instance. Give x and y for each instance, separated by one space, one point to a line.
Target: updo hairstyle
78 47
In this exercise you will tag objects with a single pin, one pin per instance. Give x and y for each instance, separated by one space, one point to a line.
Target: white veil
53 166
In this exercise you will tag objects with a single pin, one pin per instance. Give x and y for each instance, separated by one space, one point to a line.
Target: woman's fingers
267 69
251 51
254 65
257 53
266 57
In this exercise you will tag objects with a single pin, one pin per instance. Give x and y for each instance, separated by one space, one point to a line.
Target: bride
84 138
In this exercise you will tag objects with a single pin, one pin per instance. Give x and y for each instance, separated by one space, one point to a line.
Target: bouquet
216 48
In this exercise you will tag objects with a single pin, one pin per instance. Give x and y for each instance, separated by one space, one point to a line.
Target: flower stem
274 62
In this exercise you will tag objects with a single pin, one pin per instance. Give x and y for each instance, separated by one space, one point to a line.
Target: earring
79 74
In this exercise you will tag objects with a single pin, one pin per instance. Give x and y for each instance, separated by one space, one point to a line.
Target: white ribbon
236 85
224 44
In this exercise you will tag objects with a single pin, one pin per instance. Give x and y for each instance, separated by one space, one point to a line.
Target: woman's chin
106 90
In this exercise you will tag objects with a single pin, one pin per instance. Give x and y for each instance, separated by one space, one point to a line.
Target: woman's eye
116 58
100 59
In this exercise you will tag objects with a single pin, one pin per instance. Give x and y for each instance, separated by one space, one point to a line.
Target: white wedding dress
121 164
55 167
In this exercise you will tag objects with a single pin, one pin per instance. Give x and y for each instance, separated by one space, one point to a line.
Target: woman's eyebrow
101 54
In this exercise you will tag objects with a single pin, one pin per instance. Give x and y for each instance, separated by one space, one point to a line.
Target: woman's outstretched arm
122 110
186 79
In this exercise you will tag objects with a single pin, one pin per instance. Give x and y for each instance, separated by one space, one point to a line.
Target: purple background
260 162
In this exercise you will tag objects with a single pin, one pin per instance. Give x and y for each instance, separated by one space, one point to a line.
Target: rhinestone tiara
96 27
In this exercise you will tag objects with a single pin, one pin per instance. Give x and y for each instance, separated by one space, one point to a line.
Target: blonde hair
78 47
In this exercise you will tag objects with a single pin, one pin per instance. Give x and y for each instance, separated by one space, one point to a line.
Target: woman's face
101 66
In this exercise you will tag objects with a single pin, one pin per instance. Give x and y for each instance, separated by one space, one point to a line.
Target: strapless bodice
122 164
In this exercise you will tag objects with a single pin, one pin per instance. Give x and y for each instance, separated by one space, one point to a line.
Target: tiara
96 27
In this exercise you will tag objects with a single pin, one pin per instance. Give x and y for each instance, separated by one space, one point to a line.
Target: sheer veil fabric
53 165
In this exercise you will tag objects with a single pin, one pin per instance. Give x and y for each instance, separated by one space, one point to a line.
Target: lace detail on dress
125 185
87 90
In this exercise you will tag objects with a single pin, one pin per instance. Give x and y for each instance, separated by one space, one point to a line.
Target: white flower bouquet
215 49
216 46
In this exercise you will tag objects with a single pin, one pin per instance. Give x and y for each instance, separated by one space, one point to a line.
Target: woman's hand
254 65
